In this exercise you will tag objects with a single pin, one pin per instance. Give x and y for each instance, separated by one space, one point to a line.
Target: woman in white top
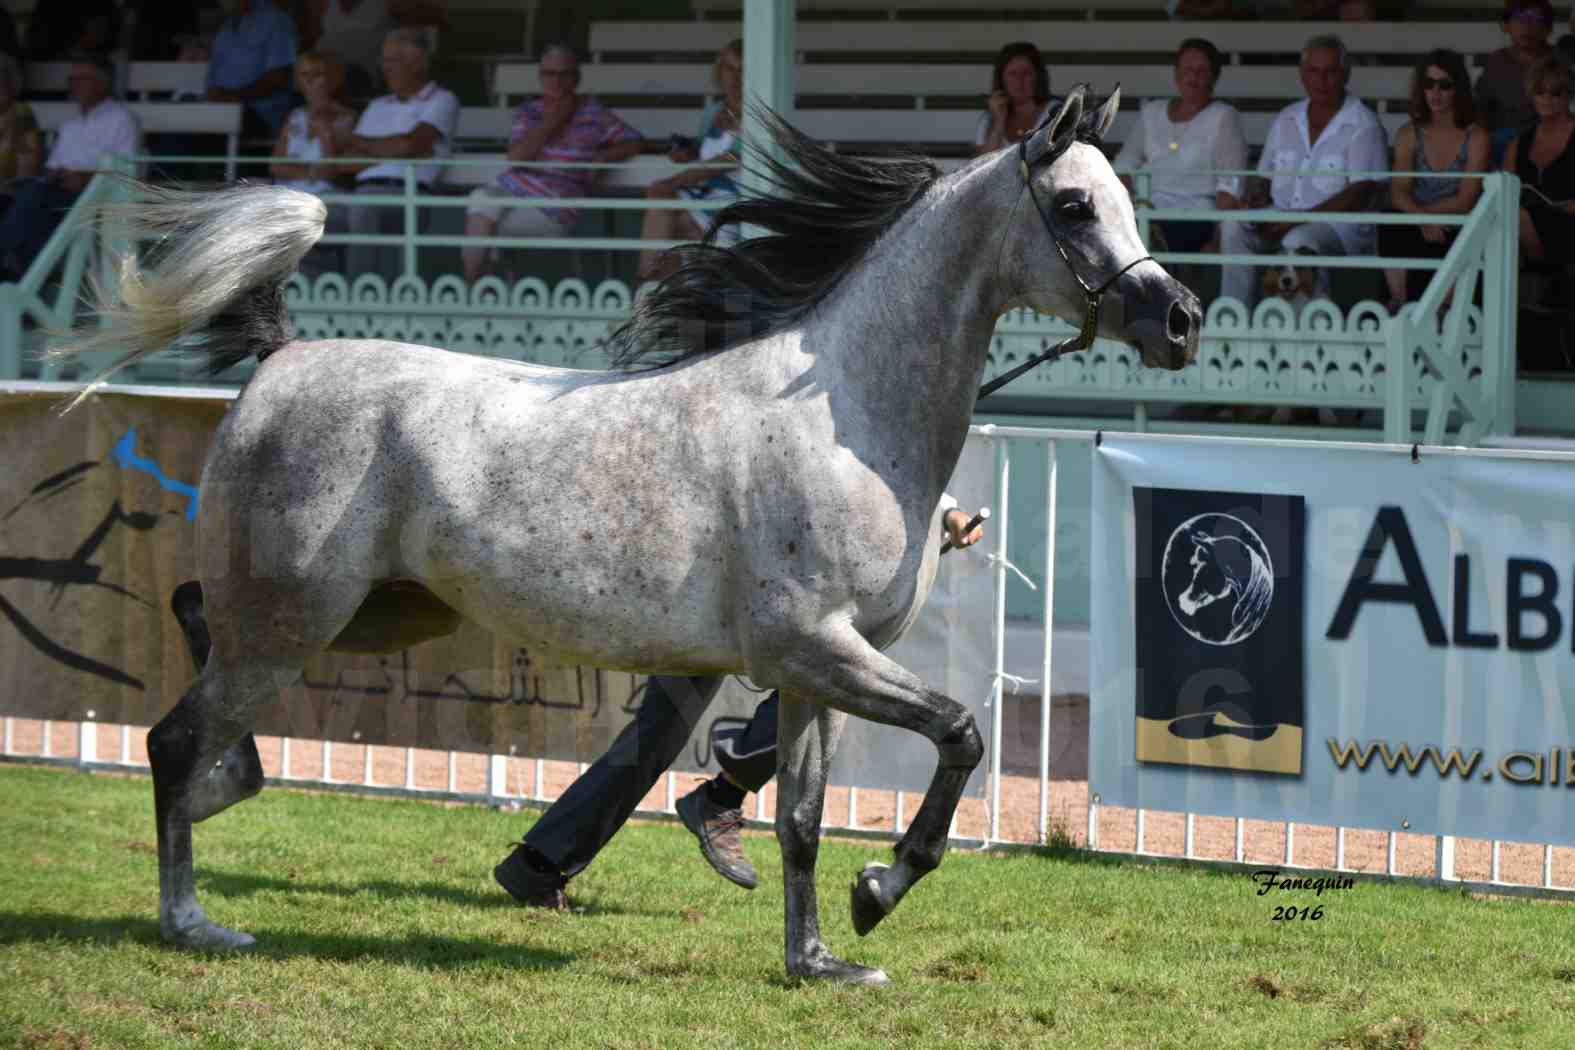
1019 97
1180 137
717 141
306 141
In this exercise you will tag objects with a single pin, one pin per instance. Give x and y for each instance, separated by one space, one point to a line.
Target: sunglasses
1441 83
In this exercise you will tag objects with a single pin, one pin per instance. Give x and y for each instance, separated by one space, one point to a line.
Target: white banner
1429 683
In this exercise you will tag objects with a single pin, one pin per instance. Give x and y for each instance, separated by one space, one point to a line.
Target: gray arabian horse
764 502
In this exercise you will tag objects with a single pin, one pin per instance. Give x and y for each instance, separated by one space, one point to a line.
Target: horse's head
1215 572
1077 237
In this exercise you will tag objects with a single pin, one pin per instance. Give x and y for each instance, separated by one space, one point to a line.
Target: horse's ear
1107 114
1063 124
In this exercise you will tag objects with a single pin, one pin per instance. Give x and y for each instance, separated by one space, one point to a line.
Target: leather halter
1092 295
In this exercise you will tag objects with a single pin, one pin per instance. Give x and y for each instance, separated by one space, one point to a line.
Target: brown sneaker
530 885
718 832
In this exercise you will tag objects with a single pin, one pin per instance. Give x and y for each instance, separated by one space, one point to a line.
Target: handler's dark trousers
590 812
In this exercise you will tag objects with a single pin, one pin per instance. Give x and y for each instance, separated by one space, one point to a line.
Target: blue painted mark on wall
125 453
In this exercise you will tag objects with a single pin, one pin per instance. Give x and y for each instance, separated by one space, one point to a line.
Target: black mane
822 213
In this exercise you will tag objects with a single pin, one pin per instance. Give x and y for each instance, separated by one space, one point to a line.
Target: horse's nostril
1178 322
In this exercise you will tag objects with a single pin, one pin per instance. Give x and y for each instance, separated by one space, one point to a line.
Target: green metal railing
1458 371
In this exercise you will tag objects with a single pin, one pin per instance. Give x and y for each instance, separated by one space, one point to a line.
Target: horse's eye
1075 210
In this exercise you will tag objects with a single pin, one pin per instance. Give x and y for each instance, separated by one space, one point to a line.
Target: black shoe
718 831
529 884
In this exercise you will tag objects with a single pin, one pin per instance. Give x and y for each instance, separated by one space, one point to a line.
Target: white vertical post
1188 838
1241 840
410 769
1495 873
49 747
87 740
540 783
1389 862
1547 867
125 745
1339 849
10 735
497 777
453 773
1138 834
672 792
760 804
328 762
853 808
1003 467
366 764
768 60
1092 838
1290 844
1444 858
284 758
1045 691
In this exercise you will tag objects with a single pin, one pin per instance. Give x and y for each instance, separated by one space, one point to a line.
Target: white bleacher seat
985 36
206 118
919 81
147 78
844 128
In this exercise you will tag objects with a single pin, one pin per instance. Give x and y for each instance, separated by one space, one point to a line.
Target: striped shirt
592 127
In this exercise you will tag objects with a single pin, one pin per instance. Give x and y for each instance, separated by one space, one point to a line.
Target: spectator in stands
1566 45
57 31
1176 138
1502 104
561 126
414 121
304 152
1543 158
251 62
21 144
353 30
1442 137
1328 131
1019 97
717 141
102 128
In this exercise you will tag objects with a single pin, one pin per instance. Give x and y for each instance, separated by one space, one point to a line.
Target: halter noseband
1092 295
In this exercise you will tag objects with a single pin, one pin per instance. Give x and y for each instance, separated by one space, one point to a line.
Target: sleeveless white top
303 149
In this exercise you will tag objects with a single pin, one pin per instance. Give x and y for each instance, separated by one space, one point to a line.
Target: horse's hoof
211 937
827 967
869 906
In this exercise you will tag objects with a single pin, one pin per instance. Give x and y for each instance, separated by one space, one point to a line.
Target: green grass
379 926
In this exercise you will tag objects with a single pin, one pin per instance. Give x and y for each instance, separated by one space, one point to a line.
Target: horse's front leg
807 736
847 673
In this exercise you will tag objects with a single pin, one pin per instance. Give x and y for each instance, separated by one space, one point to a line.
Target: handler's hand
957 520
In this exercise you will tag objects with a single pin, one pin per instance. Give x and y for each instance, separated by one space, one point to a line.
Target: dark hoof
868 906
210 937
823 966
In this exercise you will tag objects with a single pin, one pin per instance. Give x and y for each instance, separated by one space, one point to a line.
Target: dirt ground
1019 821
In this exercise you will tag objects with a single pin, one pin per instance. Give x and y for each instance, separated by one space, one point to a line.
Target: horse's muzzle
1163 319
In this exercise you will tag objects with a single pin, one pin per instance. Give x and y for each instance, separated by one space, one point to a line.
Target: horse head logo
1218 579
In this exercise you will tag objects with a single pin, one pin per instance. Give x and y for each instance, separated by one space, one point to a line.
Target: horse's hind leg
807 733
238 775
193 778
851 675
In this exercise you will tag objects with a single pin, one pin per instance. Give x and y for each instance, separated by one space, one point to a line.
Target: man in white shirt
1308 145
415 120
103 128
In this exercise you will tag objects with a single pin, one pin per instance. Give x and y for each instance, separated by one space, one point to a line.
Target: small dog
1296 284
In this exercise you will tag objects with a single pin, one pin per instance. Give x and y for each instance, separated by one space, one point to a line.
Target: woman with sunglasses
1543 158
1443 138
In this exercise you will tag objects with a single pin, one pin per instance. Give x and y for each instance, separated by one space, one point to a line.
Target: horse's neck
913 324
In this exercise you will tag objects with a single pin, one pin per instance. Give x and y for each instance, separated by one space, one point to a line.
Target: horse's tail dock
209 281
